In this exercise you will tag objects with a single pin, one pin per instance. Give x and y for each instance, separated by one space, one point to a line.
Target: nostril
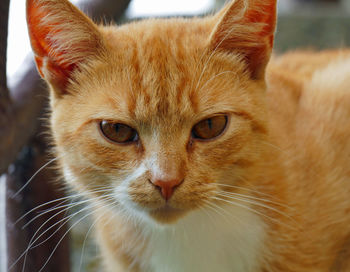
166 187
155 186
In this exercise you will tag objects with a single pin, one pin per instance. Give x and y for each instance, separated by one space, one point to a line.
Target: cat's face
162 118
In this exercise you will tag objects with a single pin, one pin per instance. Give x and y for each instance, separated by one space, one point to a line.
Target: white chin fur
207 241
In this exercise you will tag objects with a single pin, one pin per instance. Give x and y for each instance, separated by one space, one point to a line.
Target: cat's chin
167 214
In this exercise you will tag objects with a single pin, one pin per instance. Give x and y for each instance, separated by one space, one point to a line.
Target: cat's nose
167 187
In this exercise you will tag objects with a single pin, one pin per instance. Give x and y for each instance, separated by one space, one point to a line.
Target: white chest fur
206 241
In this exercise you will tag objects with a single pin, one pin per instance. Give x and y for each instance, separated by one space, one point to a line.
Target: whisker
71 216
251 190
66 207
86 236
214 207
257 204
211 55
61 208
33 176
31 242
257 198
66 198
62 222
204 209
275 146
254 211
215 76
59 242
227 212
68 219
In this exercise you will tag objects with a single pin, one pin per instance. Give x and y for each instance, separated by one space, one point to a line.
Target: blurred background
308 24
302 23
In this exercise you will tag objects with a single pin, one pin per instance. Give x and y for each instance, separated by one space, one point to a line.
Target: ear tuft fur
247 27
62 37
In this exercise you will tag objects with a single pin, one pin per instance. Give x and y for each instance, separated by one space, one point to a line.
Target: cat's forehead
161 71
176 33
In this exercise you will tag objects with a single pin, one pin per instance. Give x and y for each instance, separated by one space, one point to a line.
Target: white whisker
257 198
215 76
253 210
33 239
66 198
66 207
252 191
59 242
243 199
87 234
33 176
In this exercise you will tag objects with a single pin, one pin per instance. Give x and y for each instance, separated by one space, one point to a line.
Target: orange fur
274 185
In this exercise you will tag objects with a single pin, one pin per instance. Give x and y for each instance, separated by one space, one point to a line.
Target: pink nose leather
167 187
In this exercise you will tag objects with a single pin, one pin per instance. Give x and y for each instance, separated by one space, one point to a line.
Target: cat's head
157 117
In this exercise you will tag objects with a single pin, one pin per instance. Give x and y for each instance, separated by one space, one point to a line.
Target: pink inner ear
251 34
57 76
48 59
37 31
264 14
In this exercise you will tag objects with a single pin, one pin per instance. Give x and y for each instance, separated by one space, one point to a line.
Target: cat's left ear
62 38
247 27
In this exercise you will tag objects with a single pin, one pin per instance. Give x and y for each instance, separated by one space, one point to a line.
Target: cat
197 150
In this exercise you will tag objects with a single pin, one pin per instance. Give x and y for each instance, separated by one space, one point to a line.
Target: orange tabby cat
194 155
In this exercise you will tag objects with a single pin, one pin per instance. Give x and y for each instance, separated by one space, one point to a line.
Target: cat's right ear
62 39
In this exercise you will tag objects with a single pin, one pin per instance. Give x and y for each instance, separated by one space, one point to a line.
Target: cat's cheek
126 185
73 180
76 179
68 174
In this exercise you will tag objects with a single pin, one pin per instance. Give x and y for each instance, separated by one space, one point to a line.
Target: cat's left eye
210 128
118 132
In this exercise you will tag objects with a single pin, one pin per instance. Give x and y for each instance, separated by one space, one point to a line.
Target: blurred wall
313 24
316 32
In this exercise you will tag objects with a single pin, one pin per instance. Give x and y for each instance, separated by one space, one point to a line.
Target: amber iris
210 128
117 132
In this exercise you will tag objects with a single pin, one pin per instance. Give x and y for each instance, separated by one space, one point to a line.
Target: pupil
210 123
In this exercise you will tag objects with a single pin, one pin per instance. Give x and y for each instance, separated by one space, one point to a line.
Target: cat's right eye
118 132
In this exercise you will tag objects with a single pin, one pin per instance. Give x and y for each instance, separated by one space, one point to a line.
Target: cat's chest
207 242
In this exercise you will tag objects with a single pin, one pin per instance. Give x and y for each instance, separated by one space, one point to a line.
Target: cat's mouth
167 214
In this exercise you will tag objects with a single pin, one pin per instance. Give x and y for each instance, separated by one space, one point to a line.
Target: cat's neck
230 237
